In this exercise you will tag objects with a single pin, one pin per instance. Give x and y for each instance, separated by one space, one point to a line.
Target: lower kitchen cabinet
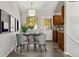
55 36
61 40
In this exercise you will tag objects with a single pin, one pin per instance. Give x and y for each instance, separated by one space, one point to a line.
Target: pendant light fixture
31 12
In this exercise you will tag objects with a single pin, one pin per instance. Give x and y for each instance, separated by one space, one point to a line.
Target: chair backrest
41 38
21 38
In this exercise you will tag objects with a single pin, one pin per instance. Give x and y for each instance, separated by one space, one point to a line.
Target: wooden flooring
52 51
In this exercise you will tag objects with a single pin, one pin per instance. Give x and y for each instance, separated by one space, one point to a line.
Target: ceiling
41 7
58 7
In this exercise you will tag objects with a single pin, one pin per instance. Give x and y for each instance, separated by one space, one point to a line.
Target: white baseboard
68 54
9 51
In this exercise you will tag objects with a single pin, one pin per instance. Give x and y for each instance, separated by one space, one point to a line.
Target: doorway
58 29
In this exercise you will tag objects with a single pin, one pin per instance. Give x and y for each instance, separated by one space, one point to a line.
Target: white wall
72 28
48 34
7 43
10 8
8 40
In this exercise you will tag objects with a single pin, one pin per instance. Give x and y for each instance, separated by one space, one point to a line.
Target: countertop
61 31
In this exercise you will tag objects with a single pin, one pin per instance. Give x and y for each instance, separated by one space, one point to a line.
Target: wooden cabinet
58 36
57 20
62 15
61 40
55 36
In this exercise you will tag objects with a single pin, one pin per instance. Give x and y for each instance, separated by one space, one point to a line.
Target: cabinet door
62 15
61 40
55 36
57 20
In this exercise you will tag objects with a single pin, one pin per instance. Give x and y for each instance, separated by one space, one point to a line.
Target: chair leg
20 48
29 44
17 48
27 47
45 47
28 41
34 47
40 46
23 46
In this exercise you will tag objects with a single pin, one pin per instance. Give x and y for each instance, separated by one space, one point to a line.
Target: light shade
31 12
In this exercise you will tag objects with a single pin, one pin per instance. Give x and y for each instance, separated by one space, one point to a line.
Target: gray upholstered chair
22 41
40 41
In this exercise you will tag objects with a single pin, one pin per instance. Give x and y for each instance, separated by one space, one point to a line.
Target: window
47 24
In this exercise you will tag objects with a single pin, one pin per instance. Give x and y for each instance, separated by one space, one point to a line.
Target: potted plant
24 28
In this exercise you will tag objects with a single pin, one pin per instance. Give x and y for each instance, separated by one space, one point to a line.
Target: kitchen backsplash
58 27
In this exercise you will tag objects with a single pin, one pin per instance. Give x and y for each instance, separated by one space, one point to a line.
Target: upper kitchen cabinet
62 15
57 20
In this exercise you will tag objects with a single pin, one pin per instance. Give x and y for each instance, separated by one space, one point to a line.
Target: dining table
33 35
